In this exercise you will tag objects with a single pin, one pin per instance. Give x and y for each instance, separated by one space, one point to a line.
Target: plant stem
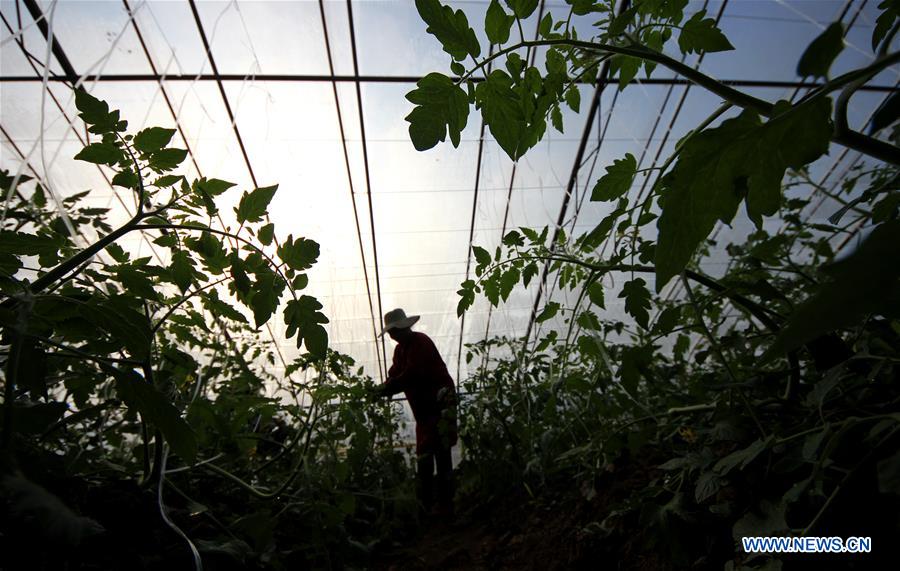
9 393
82 256
181 301
293 475
756 310
241 239
849 138
845 480
721 354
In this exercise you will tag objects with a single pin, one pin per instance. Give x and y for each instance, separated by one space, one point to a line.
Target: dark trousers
425 465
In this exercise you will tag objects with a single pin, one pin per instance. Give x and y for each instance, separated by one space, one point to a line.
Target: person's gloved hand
377 392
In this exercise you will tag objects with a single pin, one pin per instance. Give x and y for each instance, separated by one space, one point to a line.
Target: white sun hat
397 319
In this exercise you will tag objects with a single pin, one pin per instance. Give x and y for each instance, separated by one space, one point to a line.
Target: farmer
419 371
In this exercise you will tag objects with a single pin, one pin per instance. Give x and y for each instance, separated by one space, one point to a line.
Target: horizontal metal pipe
387 79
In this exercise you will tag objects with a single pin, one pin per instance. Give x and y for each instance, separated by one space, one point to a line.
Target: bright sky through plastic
421 202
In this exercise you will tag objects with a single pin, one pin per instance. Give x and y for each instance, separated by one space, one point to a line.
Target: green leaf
167 159
101 154
154 407
719 166
497 23
581 7
530 271
92 110
573 98
634 362
637 300
545 28
126 179
299 254
742 457
451 28
522 8
587 320
212 186
821 53
513 238
617 180
9 265
266 234
667 320
549 312
664 9
595 294
300 282
482 256
22 244
588 347
502 112
136 282
117 253
215 305
515 64
152 139
886 114
885 21
239 274
492 287
708 484
182 270
167 180
556 119
620 23
96 113
442 107
886 208
532 235
865 282
626 66
556 63
702 35
123 323
682 344
31 368
303 316
263 300
33 418
466 297
508 281
253 205
211 251
596 236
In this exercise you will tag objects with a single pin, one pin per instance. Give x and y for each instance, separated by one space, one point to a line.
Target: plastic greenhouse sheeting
423 205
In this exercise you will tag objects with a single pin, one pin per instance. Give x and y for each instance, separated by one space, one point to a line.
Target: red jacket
419 371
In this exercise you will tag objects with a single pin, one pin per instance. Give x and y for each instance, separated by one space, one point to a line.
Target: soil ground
560 529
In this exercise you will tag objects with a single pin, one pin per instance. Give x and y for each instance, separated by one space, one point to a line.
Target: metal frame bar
58 52
530 55
602 82
162 87
220 77
362 252
219 82
63 61
462 320
362 131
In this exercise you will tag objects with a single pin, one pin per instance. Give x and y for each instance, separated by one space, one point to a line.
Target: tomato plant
147 379
758 402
